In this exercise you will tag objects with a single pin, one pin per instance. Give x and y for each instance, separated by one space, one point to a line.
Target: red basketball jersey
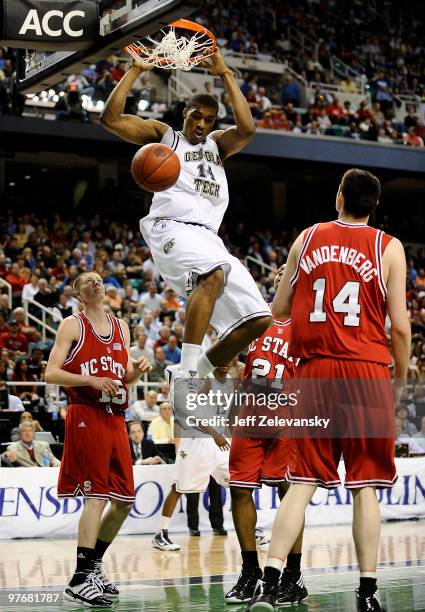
268 356
340 307
99 356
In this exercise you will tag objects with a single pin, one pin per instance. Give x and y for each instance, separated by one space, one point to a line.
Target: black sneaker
291 588
220 532
264 596
194 532
368 603
243 590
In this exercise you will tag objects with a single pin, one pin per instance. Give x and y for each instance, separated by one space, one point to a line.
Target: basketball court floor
196 577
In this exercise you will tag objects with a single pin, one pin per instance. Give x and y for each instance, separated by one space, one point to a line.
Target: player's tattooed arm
134 369
68 334
284 296
235 138
129 127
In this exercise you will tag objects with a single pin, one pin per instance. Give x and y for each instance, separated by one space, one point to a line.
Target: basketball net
175 50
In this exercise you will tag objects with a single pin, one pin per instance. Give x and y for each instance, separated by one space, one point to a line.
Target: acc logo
32 22
183 454
169 245
87 486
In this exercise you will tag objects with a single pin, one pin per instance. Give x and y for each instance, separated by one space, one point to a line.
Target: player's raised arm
282 302
129 127
394 261
235 138
135 369
67 334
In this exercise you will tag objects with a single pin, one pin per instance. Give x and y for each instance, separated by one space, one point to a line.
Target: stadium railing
259 263
45 312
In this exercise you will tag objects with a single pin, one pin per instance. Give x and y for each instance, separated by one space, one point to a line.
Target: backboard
122 22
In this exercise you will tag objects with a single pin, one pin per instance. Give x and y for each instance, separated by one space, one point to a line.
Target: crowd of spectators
326 115
382 42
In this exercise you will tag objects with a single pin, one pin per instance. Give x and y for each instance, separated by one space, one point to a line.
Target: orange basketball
155 167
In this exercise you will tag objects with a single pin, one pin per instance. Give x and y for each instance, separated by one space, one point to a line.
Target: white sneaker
182 383
163 542
260 537
88 593
107 586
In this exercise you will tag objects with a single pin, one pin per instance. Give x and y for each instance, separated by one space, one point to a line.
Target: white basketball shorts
196 460
184 251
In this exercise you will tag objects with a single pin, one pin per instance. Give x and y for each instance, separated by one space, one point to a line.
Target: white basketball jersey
201 194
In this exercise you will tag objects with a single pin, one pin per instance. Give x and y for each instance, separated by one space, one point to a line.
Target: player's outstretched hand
141 65
104 385
215 64
143 365
222 443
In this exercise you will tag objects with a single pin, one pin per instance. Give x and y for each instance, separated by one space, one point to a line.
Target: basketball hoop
175 50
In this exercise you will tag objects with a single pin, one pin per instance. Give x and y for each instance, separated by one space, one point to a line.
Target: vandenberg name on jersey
104 364
201 193
339 254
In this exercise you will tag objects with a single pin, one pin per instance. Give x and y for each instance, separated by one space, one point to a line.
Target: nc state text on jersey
105 364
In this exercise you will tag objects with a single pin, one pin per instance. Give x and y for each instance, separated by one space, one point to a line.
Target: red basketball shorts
369 461
254 461
96 460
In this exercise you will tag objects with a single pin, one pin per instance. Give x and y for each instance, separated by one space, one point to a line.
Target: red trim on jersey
80 342
310 233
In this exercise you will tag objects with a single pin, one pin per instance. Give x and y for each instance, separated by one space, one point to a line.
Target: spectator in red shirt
411 139
267 122
16 279
363 112
334 110
119 71
29 331
282 123
13 340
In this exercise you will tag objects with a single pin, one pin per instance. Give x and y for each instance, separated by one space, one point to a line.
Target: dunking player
341 280
254 461
198 458
181 227
91 358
